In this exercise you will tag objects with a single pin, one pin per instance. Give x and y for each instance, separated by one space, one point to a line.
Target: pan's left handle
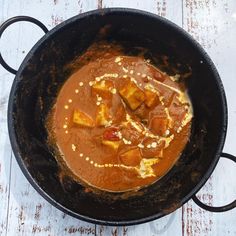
11 21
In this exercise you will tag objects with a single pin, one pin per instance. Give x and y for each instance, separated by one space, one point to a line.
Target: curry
119 122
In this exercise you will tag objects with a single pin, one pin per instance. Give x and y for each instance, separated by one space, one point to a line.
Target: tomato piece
111 134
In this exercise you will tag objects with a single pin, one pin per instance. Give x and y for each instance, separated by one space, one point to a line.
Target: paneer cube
112 144
103 88
131 157
82 119
159 125
151 98
134 135
152 148
102 115
132 95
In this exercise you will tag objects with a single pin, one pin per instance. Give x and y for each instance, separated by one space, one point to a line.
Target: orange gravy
120 123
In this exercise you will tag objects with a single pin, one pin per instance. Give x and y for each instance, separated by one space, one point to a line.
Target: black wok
41 75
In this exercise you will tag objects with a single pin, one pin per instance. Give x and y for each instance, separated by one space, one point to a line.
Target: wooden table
24 212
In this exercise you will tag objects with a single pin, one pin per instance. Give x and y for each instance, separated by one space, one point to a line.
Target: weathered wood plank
172 224
170 9
5 150
29 213
168 225
212 23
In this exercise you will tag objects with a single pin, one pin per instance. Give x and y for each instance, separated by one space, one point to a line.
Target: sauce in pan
119 122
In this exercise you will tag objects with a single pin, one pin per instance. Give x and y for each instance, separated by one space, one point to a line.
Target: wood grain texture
24 212
212 24
5 151
170 9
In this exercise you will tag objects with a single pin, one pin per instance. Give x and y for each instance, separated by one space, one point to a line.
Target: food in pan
119 122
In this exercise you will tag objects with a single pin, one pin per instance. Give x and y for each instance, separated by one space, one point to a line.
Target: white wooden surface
24 212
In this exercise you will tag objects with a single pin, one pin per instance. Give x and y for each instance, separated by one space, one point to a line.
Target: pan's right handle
11 21
227 207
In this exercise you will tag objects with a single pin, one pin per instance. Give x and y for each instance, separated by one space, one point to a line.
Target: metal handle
227 207
11 21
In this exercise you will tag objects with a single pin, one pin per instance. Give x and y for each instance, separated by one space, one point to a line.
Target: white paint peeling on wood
198 23
170 9
197 221
32 215
168 225
5 150
24 212
210 23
